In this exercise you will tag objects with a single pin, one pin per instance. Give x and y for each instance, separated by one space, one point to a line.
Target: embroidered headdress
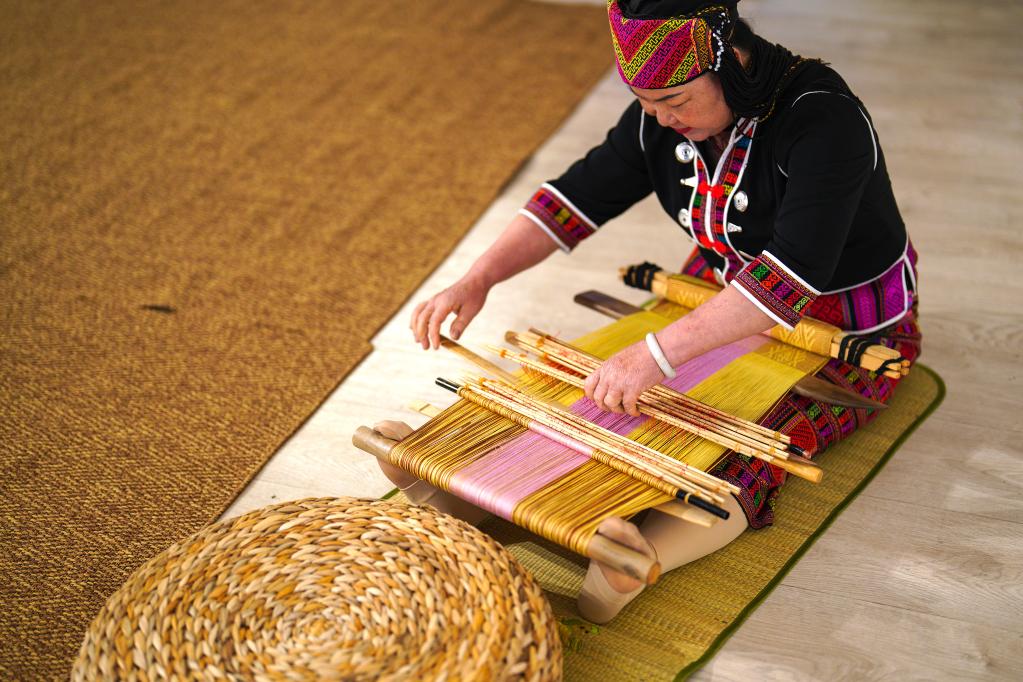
663 44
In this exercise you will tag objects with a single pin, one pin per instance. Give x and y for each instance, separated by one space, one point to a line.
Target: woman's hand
617 385
465 298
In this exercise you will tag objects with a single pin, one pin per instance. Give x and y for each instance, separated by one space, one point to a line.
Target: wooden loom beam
605 550
876 357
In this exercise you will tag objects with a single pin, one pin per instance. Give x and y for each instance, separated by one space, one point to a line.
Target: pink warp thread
509 473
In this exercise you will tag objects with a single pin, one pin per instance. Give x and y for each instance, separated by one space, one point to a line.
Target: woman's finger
417 317
440 313
598 395
590 385
415 314
465 315
422 324
630 403
613 400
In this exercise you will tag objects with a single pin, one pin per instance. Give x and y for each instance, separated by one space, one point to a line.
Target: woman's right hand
465 298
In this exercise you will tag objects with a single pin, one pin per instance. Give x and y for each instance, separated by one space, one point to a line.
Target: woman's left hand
618 383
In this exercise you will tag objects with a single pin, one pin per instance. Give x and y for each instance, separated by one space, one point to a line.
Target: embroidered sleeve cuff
556 216
775 289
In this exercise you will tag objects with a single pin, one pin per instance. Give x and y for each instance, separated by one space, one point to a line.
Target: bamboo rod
655 458
685 490
586 364
678 411
652 407
684 512
619 557
476 359
671 402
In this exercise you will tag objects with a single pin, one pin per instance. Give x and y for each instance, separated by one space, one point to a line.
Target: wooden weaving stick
809 386
603 549
799 466
672 508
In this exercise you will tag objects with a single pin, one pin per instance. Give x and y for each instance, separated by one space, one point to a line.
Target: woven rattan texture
324 589
672 626
206 211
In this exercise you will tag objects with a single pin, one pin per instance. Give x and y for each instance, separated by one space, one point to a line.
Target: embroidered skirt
814 425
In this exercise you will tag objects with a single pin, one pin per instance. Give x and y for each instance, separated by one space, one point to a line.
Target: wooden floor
922 577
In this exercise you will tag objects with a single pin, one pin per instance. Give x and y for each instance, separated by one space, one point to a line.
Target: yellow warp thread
569 510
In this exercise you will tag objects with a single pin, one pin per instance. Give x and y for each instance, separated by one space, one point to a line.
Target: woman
771 165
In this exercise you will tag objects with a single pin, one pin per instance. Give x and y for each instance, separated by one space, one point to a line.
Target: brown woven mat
206 210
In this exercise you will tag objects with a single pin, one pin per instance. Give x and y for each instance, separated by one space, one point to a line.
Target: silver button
732 228
684 152
684 218
740 201
690 181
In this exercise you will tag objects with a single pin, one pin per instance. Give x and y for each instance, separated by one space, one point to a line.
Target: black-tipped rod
450 385
703 504
684 496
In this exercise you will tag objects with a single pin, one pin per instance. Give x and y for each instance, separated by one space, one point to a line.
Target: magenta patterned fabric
661 53
558 218
863 308
814 425
871 304
775 289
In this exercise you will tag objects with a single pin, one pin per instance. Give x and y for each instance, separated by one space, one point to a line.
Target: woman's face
696 109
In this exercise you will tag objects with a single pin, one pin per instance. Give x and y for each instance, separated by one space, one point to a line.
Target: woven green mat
674 627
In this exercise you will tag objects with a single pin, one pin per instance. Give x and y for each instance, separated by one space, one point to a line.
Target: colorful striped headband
663 52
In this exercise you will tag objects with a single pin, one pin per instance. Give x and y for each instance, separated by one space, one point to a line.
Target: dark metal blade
608 305
808 387
818 389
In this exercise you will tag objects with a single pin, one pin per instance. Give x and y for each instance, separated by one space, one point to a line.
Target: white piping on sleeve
789 272
908 265
812 92
870 126
550 188
547 230
873 137
755 301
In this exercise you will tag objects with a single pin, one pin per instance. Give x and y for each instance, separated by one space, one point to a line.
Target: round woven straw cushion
327 589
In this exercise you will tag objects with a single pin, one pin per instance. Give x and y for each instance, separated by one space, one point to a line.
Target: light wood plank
799 635
957 468
947 564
